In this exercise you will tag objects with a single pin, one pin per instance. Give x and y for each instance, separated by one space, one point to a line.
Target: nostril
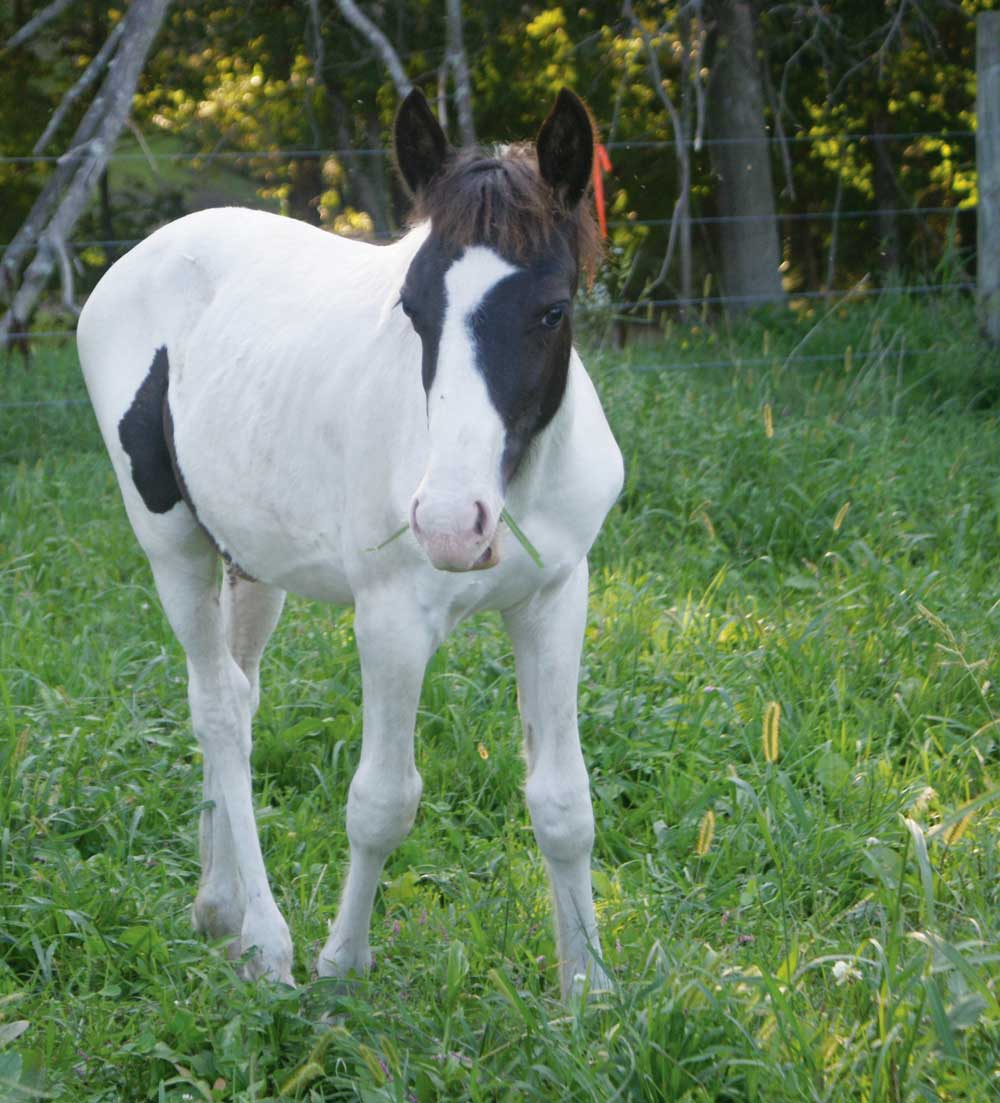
482 516
413 515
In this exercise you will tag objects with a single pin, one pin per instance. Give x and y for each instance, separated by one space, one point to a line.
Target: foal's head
490 294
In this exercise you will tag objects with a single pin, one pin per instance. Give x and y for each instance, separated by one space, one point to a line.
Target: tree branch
365 189
681 151
53 221
383 47
98 63
459 65
442 95
37 22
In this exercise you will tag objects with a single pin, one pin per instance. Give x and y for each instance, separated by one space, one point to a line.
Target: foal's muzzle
456 534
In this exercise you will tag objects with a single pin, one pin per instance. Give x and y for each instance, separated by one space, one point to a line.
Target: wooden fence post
988 171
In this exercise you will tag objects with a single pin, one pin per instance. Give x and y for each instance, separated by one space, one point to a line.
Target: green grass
811 917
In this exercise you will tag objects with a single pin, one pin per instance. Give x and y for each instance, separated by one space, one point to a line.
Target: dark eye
553 316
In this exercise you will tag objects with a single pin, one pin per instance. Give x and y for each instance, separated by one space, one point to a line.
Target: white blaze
466 433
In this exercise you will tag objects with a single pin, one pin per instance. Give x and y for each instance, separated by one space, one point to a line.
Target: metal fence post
988 171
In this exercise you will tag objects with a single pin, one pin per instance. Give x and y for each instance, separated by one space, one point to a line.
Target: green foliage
810 915
255 78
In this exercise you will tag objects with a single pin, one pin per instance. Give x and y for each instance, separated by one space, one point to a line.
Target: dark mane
500 199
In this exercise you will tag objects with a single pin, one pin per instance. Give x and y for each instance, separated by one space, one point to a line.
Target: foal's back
281 352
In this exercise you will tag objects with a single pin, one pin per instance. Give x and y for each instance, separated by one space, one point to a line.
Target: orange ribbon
602 164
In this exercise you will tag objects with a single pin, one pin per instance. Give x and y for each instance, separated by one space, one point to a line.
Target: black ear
565 146
421 147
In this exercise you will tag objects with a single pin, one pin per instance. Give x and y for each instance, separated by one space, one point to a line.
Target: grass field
791 711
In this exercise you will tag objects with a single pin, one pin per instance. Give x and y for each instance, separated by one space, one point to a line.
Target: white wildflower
844 972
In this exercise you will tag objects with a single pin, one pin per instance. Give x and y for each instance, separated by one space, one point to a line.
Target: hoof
253 967
587 979
266 948
340 960
217 916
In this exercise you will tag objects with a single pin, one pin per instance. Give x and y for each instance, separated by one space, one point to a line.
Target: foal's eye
553 316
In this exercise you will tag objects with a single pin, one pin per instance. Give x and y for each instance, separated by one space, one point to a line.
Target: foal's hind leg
547 632
221 700
250 611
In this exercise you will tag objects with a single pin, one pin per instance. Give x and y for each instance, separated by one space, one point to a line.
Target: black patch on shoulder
141 434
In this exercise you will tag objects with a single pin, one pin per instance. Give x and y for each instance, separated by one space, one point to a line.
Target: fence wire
627 223
647 142
845 293
642 369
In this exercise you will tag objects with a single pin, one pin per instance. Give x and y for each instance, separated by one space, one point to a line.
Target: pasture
789 707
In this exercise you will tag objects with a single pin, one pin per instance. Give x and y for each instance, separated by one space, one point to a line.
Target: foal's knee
561 814
381 809
221 706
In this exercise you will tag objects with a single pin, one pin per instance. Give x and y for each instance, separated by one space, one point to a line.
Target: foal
282 397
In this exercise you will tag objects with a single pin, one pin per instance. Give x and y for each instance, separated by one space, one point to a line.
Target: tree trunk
305 188
988 173
460 67
680 121
65 198
886 191
363 191
362 170
741 162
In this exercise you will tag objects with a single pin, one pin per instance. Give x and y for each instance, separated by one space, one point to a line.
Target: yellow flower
705 833
772 725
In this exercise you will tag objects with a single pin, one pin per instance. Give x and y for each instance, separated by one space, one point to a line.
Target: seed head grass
788 704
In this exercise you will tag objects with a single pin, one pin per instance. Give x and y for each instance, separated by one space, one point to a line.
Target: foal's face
490 294
496 342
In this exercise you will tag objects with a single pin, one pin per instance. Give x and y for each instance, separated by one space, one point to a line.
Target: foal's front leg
385 791
547 633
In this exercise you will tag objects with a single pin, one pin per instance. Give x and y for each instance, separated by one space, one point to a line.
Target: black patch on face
523 334
524 362
422 299
142 436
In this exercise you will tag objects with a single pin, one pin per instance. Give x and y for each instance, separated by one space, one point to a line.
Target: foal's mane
498 198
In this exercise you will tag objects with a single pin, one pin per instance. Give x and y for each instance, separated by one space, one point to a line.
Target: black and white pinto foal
283 397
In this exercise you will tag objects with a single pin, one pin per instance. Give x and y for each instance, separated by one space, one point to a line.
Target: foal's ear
421 147
565 146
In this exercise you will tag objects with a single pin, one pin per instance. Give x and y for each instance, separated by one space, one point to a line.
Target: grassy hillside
789 705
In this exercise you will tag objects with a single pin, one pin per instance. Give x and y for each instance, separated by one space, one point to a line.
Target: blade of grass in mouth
514 527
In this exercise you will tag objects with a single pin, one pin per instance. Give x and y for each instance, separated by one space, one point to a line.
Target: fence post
988 172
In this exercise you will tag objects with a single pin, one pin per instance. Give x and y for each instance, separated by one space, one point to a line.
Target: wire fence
786 360
642 142
846 293
694 220
829 217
